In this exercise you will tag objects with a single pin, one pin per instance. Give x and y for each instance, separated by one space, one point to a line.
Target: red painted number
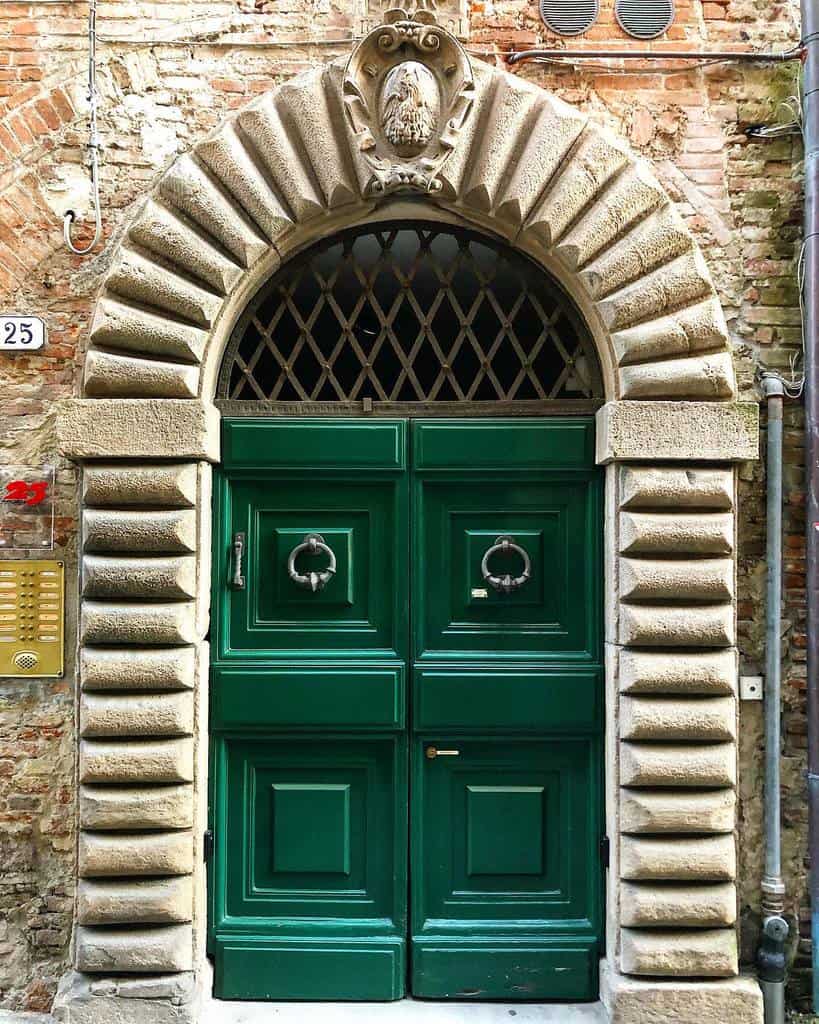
30 493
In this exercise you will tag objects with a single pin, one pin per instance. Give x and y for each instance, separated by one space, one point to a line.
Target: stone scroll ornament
408 89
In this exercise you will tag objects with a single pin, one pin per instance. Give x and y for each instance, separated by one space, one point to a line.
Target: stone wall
168 74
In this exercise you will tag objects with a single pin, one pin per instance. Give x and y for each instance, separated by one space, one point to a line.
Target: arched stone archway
294 166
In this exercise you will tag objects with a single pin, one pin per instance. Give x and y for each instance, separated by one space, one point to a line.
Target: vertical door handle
237 581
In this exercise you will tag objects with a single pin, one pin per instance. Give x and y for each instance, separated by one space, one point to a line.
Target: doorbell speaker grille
645 19
569 19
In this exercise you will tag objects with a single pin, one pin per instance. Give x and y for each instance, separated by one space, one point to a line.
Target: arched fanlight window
408 317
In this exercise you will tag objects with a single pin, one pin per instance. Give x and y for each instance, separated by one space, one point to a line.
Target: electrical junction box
32 608
751 688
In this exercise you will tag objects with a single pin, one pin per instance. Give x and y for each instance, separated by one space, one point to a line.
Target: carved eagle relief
409 107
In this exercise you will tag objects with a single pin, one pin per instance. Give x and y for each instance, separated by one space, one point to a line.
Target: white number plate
21 332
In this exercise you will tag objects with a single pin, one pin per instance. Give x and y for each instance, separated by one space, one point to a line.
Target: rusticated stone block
673 626
657 905
678 858
678 718
652 487
675 764
140 950
697 328
677 810
152 901
131 761
137 714
694 672
156 485
123 855
166 578
692 953
165 531
706 376
146 999
130 808
650 533
109 622
661 1001
691 579
147 668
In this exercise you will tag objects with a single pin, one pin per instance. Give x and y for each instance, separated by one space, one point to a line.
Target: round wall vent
645 19
569 19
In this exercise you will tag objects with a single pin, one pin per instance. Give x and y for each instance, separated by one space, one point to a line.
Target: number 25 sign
21 333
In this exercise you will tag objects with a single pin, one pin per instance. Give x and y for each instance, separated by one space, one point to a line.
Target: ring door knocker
313 544
507 583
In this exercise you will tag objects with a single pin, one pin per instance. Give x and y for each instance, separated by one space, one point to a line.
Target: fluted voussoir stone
162 578
631 196
162 232
647 533
109 622
694 953
121 901
678 718
706 579
673 672
109 375
675 285
157 485
134 950
136 277
686 626
121 326
697 328
677 765
129 668
122 855
658 239
662 905
653 487
137 714
135 532
130 808
189 188
678 858
132 761
677 810
709 376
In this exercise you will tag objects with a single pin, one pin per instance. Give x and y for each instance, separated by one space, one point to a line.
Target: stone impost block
166 578
652 487
131 668
139 533
693 953
661 1001
152 901
124 855
137 428
676 810
690 579
678 859
678 718
132 761
130 808
109 622
138 950
670 672
652 905
650 533
677 626
156 485
674 764
677 432
136 714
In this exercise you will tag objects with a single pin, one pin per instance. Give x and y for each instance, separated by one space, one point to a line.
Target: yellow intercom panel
32 605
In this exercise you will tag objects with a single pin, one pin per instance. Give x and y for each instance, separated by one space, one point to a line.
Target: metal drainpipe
771 954
810 120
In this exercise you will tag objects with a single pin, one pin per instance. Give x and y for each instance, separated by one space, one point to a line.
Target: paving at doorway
405 1011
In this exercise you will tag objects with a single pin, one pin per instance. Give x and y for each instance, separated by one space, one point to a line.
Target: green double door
406 710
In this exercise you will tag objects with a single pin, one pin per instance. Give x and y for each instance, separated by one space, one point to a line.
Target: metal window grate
645 19
569 18
409 315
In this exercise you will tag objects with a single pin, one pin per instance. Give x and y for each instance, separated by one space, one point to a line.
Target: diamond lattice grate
410 314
